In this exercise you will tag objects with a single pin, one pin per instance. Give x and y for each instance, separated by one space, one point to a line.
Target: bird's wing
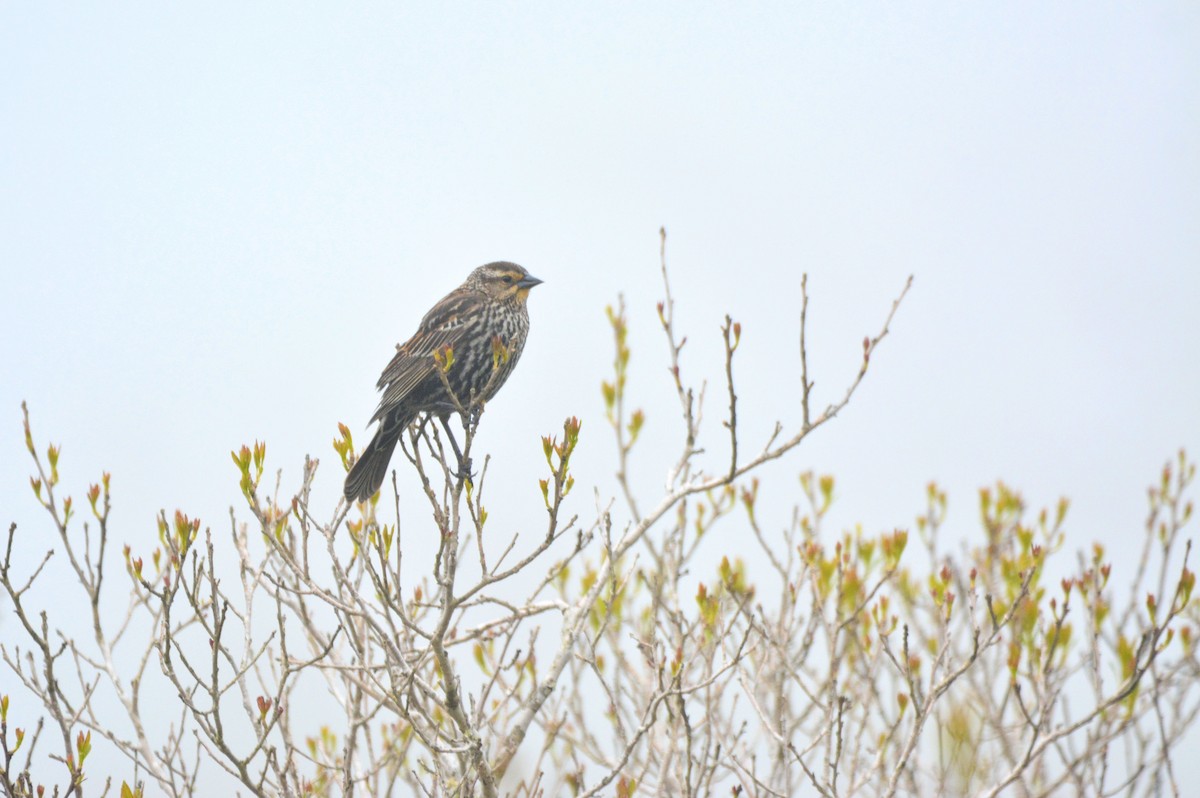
413 362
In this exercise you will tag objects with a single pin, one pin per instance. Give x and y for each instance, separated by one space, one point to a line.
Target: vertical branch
666 317
805 385
731 345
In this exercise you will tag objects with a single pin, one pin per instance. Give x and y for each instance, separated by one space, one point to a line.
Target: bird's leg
464 464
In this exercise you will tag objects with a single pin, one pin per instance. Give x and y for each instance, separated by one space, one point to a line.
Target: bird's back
480 332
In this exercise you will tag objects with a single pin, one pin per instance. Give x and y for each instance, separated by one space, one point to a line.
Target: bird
475 336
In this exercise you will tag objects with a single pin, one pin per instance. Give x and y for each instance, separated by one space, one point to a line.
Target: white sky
216 222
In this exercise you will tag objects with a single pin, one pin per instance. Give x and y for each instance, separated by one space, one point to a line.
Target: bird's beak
528 281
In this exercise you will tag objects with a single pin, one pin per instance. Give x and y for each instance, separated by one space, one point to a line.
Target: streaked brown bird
479 328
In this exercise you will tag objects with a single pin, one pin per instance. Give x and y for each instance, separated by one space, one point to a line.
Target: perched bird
478 329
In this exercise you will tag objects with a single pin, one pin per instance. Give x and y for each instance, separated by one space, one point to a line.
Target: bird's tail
368 473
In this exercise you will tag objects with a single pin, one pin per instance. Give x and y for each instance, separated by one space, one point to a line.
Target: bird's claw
464 470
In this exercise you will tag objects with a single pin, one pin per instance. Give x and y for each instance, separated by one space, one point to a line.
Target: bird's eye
508 279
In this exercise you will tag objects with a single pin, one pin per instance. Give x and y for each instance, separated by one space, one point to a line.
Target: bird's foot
464 470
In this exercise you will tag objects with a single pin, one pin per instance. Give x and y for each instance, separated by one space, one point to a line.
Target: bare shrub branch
600 651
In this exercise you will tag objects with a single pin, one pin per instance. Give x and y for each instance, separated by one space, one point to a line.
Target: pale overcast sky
217 220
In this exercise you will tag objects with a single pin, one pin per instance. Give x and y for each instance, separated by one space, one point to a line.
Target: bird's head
503 281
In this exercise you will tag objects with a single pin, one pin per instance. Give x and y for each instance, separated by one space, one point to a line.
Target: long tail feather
368 473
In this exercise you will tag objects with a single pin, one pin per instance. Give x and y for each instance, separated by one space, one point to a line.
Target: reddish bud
83 745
